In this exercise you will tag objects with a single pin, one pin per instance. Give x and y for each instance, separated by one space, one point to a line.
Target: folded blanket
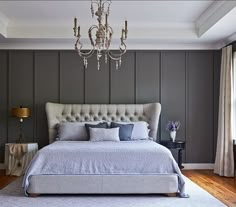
18 150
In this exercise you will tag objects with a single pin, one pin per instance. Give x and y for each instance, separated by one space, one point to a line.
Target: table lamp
20 113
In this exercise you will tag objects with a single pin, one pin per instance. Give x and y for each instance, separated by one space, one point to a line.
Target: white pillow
140 130
73 131
102 134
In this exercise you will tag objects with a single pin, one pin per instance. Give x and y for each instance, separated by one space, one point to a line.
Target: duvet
96 158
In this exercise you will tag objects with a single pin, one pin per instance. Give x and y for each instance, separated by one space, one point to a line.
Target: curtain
224 162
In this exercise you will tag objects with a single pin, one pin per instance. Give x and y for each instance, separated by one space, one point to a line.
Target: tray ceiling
151 24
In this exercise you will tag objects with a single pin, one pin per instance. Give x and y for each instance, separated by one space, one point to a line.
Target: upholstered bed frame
118 184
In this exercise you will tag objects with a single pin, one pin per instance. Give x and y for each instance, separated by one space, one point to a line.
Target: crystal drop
98 65
85 62
105 58
120 62
117 65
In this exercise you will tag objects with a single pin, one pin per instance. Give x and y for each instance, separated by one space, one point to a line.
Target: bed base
103 184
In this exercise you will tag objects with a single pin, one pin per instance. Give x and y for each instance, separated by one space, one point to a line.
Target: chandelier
103 36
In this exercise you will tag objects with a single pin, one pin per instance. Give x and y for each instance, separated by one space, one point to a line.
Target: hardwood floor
221 187
5 180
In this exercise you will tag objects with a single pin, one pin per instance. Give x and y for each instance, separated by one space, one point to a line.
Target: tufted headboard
57 113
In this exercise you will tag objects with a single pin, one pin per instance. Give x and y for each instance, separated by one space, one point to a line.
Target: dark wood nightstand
178 145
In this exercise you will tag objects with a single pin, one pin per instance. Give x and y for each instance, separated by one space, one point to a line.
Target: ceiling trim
212 15
230 39
52 44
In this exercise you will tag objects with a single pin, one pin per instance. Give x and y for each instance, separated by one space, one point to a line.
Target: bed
85 167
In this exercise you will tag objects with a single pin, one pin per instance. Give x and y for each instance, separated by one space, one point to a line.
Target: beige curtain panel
224 162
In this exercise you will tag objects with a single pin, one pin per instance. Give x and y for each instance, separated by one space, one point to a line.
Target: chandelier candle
102 40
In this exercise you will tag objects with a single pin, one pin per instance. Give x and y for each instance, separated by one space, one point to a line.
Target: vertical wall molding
84 91
109 63
135 77
59 76
8 93
7 87
160 86
186 101
213 114
34 100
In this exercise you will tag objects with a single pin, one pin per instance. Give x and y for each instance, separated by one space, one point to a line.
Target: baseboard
2 166
198 166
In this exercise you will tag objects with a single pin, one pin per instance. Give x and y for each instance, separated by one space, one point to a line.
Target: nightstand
178 145
18 157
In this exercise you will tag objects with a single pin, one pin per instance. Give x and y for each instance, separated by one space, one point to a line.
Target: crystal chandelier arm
122 48
90 34
83 54
115 56
79 45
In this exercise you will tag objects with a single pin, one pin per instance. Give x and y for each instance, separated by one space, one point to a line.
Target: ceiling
151 24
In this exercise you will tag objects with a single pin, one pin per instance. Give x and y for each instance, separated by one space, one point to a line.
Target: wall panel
46 89
147 76
123 80
21 69
200 109
173 94
97 81
71 78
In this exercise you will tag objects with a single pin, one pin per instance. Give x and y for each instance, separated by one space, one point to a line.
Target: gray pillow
99 125
103 134
125 130
73 131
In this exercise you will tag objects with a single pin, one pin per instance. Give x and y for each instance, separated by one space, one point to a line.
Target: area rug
13 196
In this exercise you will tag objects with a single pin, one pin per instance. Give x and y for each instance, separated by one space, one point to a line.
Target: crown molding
212 15
135 44
230 39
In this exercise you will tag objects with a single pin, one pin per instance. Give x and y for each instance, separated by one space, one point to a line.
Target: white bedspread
85 157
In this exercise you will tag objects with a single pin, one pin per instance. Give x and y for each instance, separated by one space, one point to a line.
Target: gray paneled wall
186 83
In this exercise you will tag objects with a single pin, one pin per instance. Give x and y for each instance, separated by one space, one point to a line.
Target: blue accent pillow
99 125
125 130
